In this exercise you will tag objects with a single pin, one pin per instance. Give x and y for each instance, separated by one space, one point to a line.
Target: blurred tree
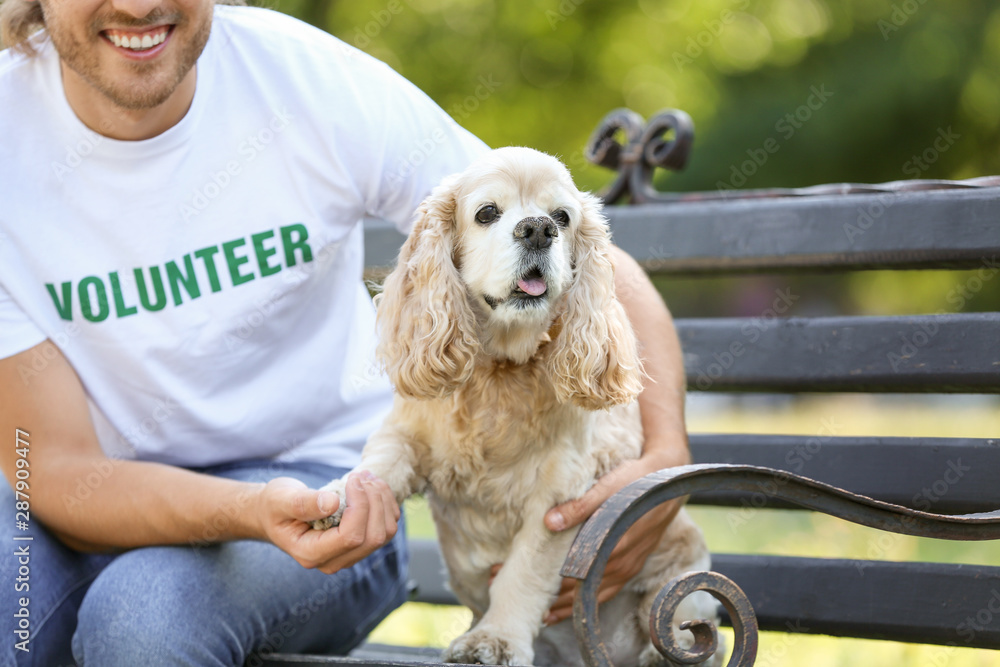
849 89
782 92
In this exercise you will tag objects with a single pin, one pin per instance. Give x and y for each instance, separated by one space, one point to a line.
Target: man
185 341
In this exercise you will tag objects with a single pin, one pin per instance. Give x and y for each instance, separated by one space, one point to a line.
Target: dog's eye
561 217
487 214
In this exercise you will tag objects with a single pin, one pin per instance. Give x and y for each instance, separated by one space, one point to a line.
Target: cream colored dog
516 374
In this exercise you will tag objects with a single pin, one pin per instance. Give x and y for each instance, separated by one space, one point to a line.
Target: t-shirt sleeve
421 146
17 332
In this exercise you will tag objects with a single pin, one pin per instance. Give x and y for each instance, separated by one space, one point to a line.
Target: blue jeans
197 606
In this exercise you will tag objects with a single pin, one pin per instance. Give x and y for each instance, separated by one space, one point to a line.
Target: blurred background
837 91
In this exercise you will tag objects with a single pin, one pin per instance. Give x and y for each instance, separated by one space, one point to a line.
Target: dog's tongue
532 286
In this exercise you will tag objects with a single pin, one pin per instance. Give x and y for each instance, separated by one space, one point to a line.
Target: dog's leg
389 456
519 598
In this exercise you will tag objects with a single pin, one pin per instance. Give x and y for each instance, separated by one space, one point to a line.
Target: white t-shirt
205 284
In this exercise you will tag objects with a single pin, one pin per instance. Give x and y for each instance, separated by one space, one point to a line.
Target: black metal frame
598 537
965 356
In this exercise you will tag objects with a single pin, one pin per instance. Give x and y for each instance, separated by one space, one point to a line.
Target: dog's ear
594 361
425 323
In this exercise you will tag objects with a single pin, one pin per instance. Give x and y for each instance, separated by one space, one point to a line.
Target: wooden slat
940 475
369 655
428 571
916 602
927 603
931 353
284 660
935 229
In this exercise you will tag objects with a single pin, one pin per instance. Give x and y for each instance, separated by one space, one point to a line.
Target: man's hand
285 507
635 545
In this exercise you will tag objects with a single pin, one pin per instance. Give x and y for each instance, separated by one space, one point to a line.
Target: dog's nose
536 233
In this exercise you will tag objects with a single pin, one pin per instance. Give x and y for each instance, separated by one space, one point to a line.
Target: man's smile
138 41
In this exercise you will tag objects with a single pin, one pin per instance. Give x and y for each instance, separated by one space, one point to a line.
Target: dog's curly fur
516 372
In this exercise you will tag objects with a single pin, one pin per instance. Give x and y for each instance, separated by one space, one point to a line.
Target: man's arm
141 503
666 445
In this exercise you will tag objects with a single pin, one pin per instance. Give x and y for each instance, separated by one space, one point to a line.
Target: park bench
951 483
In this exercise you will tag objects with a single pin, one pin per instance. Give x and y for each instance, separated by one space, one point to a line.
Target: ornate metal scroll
598 537
645 149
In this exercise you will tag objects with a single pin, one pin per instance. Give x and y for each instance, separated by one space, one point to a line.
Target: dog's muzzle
536 233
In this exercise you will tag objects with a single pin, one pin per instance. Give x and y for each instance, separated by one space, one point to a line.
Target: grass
789 532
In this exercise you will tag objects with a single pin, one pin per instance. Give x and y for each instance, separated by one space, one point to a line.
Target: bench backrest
940 353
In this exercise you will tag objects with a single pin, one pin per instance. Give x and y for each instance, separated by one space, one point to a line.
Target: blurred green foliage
897 72
836 90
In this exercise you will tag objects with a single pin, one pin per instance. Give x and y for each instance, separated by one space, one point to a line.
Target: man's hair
20 19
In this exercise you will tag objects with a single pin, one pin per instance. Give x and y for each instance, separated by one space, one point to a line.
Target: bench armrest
599 535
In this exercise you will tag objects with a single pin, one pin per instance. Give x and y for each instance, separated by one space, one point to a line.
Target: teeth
137 43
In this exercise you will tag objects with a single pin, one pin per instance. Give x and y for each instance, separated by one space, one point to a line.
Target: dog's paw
336 486
331 521
483 647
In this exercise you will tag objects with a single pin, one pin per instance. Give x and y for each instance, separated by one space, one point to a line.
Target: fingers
354 523
578 510
370 521
296 501
562 608
575 512
626 560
